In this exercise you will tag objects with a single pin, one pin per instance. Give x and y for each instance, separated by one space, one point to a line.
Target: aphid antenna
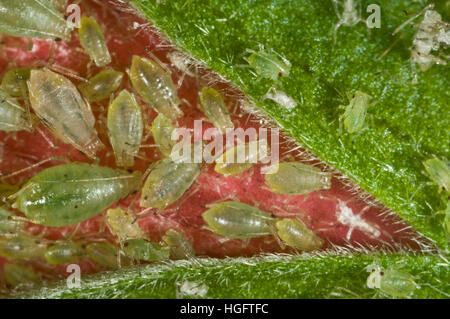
49 159
157 60
400 27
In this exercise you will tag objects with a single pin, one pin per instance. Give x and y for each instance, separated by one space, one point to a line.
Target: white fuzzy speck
346 217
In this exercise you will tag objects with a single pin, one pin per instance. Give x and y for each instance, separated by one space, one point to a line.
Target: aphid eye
280 74
381 273
58 39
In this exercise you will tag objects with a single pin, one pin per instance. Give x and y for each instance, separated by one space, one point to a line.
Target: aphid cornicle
101 85
68 194
19 274
125 128
241 157
14 82
392 282
180 247
22 247
124 225
32 19
106 255
7 224
296 178
294 233
61 108
13 117
268 63
238 220
155 86
93 41
355 112
141 249
162 129
439 172
64 253
167 182
215 109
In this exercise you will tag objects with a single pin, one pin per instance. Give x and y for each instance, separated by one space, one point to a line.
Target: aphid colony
71 193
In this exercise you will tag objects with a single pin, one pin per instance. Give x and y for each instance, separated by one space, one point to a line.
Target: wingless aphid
106 255
268 64
22 247
296 178
155 86
14 82
7 224
101 85
391 282
180 247
350 15
162 130
141 249
13 117
125 128
32 19
17 274
123 225
215 109
238 220
295 234
68 194
61 108
64 253
167 182
439 172
355 112
241 157
93 41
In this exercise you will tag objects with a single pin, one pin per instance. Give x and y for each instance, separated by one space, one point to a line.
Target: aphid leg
52 158
404 24
46 138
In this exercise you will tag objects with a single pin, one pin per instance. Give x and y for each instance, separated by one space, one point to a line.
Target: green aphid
392 282
295 234
439 172
295 178
67 194
59 105
238 220
155 86
101 85
162 130
106 255
13 117
167 182
355 112
268 64
125 128
32 19
64 253
180 247
22 247
93 41
123 224
239 158
215 109
144 250
8 225
17 274
14 82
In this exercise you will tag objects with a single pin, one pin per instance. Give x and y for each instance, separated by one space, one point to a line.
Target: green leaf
273 276
410 121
